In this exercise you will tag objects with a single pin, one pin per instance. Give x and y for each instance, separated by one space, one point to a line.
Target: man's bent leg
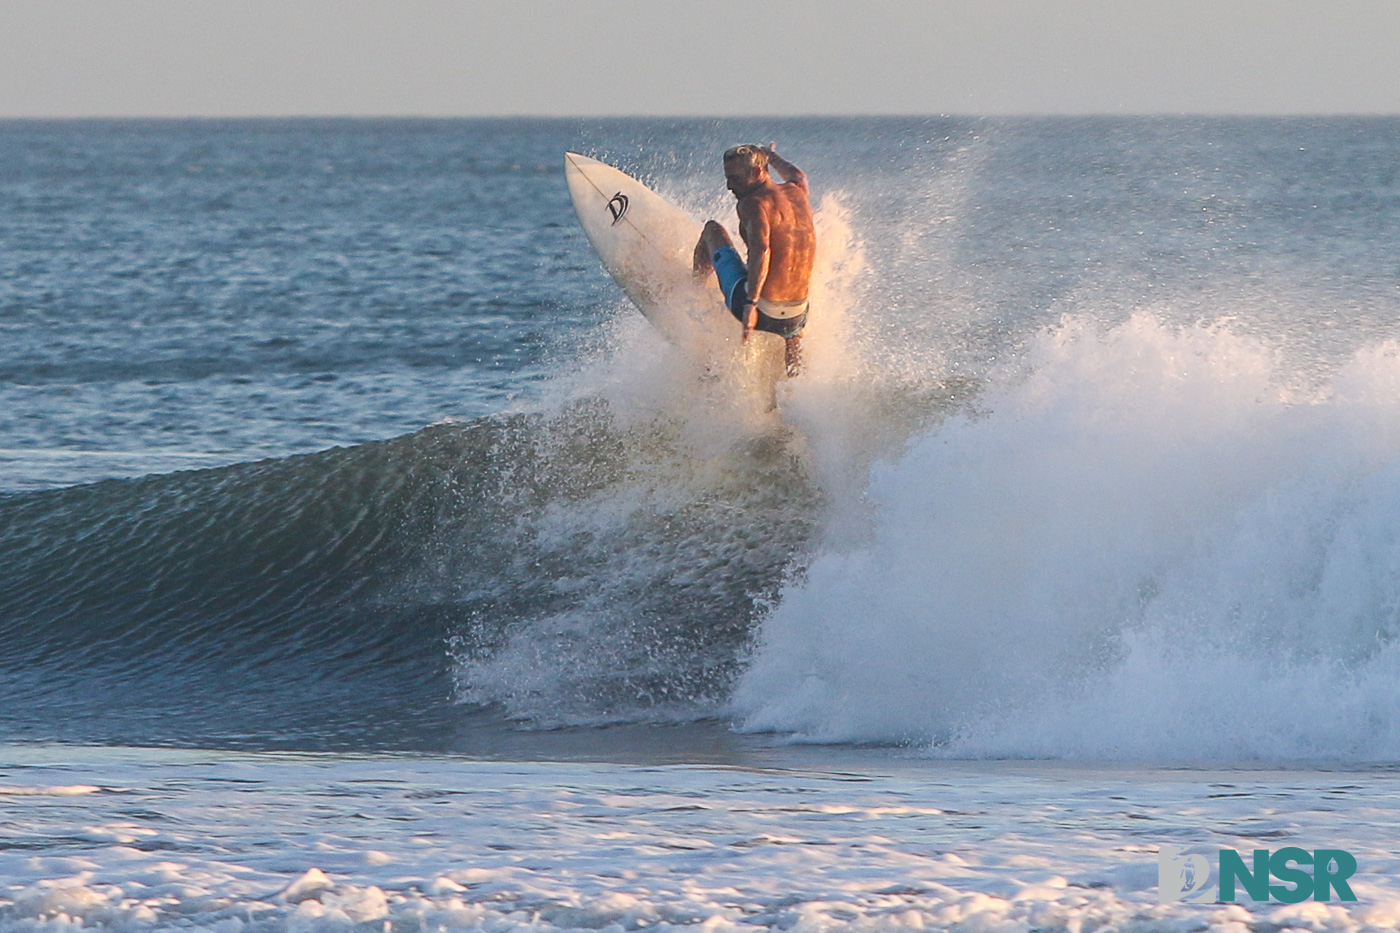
712 238
732 276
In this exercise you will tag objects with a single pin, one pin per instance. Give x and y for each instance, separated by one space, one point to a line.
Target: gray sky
684 57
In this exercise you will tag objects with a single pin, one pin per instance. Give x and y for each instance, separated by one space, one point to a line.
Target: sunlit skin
775 221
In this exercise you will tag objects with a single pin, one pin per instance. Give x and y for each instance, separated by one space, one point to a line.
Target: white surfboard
647 243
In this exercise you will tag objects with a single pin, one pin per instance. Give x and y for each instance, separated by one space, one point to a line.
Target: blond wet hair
753 156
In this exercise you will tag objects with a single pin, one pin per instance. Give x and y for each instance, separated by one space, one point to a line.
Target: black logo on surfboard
617 206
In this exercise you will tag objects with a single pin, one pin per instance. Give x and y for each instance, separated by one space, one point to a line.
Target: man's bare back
778 218
768 292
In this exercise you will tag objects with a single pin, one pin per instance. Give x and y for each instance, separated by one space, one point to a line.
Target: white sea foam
268 842
1143 544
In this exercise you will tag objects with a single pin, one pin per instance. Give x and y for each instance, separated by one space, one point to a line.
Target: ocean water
366 561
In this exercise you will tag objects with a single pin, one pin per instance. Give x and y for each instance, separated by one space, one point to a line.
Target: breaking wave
1147 541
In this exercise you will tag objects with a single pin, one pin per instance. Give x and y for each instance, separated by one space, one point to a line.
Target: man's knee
714 235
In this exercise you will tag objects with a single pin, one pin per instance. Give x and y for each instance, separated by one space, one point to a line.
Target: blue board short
733 276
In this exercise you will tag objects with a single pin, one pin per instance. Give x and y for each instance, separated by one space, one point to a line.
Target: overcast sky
685 57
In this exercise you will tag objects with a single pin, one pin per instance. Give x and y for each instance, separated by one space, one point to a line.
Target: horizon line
1095 114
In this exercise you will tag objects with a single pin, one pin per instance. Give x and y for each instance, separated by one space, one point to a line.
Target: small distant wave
65 790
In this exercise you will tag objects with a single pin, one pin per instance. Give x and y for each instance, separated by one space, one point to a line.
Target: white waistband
782 309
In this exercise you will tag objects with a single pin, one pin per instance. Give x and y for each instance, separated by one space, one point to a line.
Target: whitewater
369 563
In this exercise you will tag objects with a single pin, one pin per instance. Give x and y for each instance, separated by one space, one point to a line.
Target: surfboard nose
575 167
576 177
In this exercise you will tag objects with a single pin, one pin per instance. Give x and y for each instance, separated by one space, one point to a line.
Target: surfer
769 292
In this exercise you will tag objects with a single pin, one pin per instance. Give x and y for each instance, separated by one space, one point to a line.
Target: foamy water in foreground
146 840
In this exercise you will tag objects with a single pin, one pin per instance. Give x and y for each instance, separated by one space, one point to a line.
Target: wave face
579 570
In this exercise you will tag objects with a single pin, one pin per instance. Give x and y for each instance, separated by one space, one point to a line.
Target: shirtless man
769 293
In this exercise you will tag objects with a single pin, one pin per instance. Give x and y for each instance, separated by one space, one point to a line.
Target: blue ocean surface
340 487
